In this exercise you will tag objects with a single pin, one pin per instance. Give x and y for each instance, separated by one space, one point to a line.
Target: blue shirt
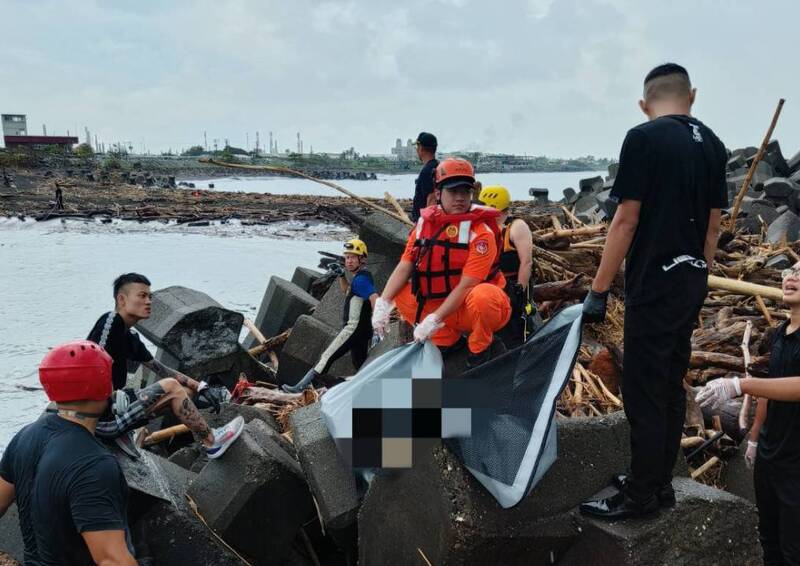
362 286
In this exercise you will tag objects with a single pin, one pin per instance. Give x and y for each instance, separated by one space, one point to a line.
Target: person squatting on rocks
356 334
70 491
774 448
515 253
670 188
423 193
173 391
447 279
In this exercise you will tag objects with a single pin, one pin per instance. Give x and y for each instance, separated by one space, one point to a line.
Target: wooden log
271 344
691 442
573 289
737 203
700 360
744 288
570 233
165 434
710 463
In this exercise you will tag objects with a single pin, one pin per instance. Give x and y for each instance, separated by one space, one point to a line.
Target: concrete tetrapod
254 497
706 526
304 347
440 509
331 480
282 303
201 334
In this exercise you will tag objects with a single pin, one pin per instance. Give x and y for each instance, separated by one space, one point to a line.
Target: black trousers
778 515
657 346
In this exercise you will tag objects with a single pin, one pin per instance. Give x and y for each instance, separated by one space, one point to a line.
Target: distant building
15 135
406 152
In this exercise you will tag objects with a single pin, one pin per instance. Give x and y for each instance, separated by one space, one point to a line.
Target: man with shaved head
670 189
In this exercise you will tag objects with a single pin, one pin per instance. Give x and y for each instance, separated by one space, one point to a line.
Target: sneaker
126 443
224 437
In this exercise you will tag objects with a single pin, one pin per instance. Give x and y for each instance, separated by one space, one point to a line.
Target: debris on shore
283 495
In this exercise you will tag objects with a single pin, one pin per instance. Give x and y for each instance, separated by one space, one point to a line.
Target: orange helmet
454 172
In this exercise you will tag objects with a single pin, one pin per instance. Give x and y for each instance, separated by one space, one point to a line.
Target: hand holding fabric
425 329
380 316
716 392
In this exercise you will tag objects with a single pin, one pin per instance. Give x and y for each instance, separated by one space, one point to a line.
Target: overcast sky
554 77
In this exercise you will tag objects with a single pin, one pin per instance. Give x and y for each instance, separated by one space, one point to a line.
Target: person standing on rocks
356 334
173 391
515 261
670 188
775 436
70 492
446 281
423 193
59 198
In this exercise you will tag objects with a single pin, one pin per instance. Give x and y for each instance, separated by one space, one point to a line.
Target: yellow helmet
355 246
495 196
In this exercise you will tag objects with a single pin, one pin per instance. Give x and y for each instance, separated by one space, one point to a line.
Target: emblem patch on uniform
482 247
452 231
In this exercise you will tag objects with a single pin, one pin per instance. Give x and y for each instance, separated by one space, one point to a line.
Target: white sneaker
224 437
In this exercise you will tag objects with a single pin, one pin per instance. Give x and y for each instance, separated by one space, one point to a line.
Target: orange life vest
442 249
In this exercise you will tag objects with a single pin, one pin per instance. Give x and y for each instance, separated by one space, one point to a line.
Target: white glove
380 316
201 385
716 392
750 454
427 327
121 402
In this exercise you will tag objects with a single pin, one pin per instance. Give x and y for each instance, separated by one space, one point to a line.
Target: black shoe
665 495
125 443
453 348
475 360
619 507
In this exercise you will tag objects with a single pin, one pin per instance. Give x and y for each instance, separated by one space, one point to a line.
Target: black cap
458 183
426 140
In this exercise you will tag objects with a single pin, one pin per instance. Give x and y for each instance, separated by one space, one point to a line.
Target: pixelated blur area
394 418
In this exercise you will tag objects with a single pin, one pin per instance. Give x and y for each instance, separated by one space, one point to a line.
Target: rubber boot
301 385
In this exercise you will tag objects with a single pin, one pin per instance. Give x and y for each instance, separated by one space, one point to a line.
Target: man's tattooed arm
164 372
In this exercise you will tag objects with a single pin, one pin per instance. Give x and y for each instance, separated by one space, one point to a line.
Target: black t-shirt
675 166
779 441
121 343
66 483
424 187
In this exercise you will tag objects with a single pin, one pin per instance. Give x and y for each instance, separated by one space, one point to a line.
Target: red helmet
76 371
454 172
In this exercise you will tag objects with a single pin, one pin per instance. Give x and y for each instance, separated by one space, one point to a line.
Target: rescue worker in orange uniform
515 255
448 282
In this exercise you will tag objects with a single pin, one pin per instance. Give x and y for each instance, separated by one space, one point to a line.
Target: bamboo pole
737 287
276 169
393 201
738 202
254 330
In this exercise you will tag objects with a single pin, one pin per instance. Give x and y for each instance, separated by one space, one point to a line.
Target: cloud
533 76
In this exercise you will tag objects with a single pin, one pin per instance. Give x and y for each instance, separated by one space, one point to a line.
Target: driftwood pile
744 298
